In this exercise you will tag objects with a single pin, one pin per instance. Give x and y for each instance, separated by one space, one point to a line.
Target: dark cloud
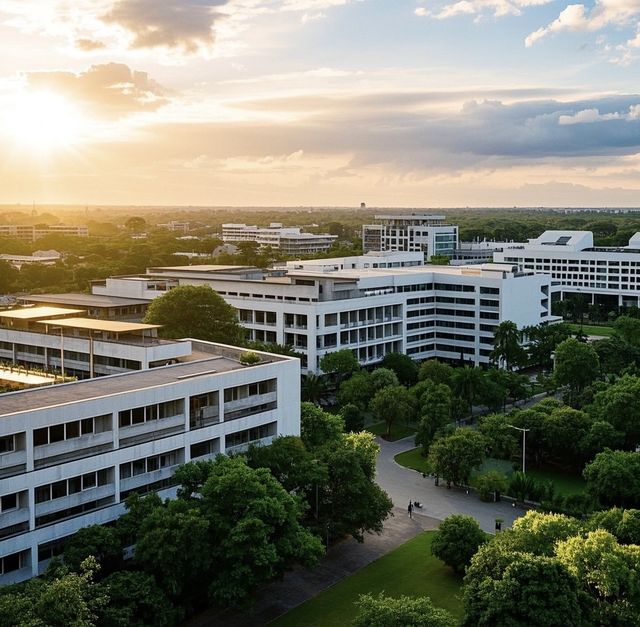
187 25
112 90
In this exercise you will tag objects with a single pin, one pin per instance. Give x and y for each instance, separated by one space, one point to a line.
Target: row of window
151 464
66 487
70 430
158 411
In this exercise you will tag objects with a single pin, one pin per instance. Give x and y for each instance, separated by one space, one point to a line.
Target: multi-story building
606 275
290 240
64 340
101 307
31 233
320 306
413 232
70 454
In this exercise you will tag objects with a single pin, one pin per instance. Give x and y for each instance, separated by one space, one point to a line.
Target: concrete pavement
403 484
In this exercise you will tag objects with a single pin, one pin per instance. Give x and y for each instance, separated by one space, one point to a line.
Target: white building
606 275
31 233
70 454
413 232
290 240
320 306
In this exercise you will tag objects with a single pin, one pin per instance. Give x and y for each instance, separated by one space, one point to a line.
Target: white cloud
590 116
495 8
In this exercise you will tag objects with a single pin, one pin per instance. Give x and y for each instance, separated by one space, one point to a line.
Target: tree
318 427
254 530
8 277
491 484
501 438
382 378
454 457
467 383
100 542
385 611
435 371
340 364
526 589
628 330
135 600
565 429
577 365
195 311
135 224
542 341
391 404
435 414
613 477
608 572
539 533
357 390
457 541
314 388
619 404
601 435
616 355
506 345
405 368
353 417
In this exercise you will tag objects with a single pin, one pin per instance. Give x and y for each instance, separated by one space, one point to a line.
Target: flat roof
203 268
35 313
84 300
115 326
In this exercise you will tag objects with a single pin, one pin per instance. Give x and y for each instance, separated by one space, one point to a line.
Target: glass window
56 433
73 429
89 481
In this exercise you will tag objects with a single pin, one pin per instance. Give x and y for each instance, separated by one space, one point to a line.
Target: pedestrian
410 509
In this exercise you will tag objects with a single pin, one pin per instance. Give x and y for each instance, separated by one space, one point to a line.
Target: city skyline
320 102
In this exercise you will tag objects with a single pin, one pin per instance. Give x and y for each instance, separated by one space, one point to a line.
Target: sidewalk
343 559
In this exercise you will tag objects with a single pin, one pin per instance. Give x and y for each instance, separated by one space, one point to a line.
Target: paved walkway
343 559
403 485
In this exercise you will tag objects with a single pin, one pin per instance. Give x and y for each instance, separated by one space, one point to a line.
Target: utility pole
524 444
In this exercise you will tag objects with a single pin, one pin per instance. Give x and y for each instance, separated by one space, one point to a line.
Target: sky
407 103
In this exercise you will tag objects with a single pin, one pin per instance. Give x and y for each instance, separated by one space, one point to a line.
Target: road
403 485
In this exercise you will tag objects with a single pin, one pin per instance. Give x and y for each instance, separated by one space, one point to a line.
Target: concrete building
372 305
70 454
39 257
101 307
290 240
413 232
31 233
607 275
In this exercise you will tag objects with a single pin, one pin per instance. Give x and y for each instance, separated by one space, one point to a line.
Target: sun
44 121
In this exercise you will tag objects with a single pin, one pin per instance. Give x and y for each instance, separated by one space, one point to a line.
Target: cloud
576 17
179 24
89 45
111 90
495 8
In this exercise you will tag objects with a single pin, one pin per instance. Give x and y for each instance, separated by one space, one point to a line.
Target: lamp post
524 444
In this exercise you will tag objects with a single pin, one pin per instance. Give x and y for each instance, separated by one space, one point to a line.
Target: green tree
405 368
254 528
601 435
628 330
501 438
318 427
526 589
454 457
565 428
195 311
357 390
542 341
353 417
97 541
577 365
507 349
340 364
382 378
435 371
135 600
613 477
457 541
8 277
135 224
435 414
491 484
608 572
467 383
314 388
391 404
404 611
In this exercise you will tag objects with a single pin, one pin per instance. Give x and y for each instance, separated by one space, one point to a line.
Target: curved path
403 484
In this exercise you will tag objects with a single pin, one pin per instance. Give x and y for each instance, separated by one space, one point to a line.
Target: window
70 430
8 502
13 562
7 444
63 488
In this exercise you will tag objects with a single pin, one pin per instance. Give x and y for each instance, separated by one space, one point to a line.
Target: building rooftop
112 326
83 300
37 313
220 359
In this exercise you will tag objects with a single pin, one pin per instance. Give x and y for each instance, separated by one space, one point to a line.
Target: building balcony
132 483
74 500
151 430
73 448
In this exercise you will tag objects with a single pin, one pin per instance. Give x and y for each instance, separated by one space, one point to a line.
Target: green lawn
410 569
589 329
413 459
565 484
398 431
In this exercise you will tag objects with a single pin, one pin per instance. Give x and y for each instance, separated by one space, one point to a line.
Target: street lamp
524 444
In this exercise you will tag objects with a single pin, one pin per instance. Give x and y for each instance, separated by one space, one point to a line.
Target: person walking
410 509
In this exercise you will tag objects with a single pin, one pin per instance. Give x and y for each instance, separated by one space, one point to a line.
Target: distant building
174 225
40 257
31 233
413 232
607 275
289 240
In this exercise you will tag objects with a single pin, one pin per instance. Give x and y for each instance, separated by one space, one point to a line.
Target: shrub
249 358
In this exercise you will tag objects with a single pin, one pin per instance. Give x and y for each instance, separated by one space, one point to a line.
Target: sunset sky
320 102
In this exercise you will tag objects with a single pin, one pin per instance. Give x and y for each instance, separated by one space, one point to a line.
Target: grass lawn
589 329
398 431
565 484
410 569
413 459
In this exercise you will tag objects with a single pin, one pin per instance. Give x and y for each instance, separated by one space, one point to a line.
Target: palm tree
314 388
467 383
506 345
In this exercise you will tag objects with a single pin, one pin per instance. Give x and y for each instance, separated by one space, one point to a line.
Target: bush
524 487
457 541
491 484
249 358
